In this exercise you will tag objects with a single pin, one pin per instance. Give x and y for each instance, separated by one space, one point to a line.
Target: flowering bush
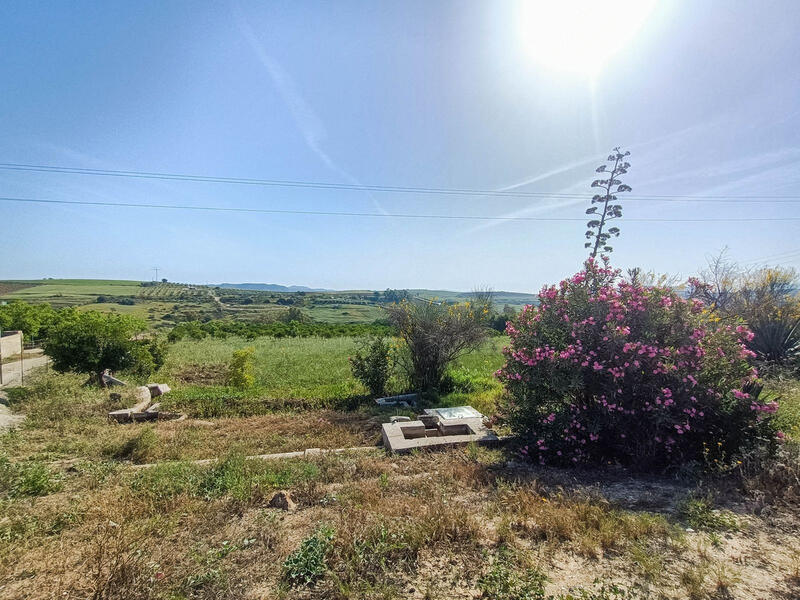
604 370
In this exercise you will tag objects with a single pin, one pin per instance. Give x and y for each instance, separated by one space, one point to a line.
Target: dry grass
426 522
83 523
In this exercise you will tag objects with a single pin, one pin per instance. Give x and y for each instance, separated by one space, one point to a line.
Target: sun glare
579 36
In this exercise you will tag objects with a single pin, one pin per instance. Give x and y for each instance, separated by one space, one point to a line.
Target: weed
306 565
506 581
591 525
693 580
649 562
27 479
700 513
605 591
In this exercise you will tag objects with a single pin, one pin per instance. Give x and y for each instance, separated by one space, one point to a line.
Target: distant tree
91 342
164 280
597 227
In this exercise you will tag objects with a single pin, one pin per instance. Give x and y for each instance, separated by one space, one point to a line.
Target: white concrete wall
10 343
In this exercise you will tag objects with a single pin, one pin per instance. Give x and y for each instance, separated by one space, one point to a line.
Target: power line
380 188
369 214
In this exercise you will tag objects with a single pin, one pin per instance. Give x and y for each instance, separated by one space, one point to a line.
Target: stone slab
395 439
158 389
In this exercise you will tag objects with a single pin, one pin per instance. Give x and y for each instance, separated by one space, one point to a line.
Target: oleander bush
604 370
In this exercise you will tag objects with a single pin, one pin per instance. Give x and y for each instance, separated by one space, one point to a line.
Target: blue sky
705 94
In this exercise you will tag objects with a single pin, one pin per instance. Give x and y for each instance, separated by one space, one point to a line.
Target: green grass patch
234 476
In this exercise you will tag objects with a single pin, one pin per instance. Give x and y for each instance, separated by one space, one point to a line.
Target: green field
305 372
63 292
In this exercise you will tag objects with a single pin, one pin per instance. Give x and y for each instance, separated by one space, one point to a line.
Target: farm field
67 292
304 372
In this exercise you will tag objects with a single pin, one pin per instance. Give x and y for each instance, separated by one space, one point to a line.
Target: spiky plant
776 340
610 210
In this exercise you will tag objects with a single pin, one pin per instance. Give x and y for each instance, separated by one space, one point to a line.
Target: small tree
241 368
372 365
597 227
436 334
91 342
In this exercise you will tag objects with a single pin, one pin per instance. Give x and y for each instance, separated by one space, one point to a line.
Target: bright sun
579 36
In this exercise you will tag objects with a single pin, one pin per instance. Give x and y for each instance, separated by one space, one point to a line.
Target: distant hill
271 287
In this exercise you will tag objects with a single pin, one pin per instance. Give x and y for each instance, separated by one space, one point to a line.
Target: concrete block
158 389
121 416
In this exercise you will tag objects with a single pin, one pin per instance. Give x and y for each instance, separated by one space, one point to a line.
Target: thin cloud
308 123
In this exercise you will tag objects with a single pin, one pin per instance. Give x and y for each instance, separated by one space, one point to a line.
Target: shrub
241 368
436 334
372 365
608 371
306 565
764 298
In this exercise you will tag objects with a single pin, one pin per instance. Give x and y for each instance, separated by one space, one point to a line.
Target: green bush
241 369
603 370
372 365
436 334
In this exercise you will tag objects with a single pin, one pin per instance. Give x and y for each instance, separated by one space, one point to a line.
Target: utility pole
156 270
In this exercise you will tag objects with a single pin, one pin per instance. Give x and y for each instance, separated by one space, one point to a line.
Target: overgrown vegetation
436 334
607 371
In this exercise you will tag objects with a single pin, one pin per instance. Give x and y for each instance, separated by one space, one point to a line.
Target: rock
283 500
399 418
154 408
158 389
